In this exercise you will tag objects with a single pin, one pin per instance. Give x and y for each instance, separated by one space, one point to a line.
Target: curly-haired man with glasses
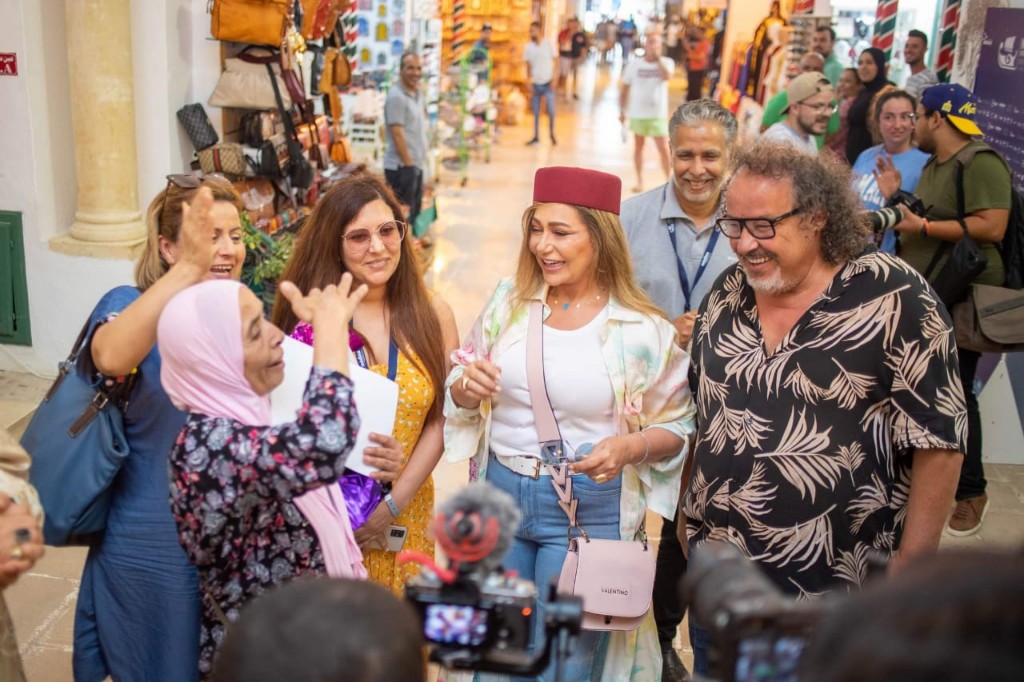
825 371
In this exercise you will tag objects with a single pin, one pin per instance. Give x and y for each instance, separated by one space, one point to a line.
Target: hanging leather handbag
244 85
197 126
77 441
341 150
256 127
227 158
256 22
316 68
300 170
615 578
274 157
991 320
340 66
280 61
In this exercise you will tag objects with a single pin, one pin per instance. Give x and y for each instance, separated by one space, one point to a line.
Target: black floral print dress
232 488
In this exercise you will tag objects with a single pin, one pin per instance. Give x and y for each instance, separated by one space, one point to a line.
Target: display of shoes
968 516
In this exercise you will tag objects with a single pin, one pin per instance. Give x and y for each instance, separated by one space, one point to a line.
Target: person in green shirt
823 42
945 127
776 108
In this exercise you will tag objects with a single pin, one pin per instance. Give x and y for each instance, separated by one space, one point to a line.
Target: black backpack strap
963 158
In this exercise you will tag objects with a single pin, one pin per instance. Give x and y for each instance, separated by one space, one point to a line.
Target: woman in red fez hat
617 386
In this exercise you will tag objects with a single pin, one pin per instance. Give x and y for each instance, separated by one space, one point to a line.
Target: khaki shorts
649 127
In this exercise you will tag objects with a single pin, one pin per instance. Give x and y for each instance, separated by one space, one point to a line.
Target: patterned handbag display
227 158
197 125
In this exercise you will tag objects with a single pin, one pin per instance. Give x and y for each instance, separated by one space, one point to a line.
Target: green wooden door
14 324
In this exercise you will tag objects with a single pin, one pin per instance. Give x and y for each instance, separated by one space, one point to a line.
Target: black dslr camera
486 625
475 615
759 633
886 218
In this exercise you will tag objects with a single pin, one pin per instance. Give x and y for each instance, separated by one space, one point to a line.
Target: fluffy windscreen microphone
475 527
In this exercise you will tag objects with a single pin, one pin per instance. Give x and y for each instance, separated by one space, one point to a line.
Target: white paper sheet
376 398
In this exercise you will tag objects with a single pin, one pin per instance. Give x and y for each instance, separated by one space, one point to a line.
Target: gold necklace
579 302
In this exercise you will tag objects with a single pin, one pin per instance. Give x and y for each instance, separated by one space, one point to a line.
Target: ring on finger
601 478
465 383
17 553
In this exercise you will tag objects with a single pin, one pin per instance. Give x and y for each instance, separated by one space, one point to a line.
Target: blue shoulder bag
77 443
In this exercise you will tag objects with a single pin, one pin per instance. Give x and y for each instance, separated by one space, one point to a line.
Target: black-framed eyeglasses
759 228
390 233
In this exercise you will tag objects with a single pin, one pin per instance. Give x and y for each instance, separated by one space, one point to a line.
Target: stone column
107 220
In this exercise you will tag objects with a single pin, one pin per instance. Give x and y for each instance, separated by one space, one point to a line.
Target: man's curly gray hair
821 186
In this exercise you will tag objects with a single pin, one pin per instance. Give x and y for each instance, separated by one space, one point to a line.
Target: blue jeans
539 547
701 642
547 93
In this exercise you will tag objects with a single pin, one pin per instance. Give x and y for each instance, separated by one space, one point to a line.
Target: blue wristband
392 506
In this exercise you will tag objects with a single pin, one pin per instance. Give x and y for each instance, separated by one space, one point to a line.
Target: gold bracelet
647 447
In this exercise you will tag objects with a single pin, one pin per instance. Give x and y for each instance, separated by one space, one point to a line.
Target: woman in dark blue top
138 605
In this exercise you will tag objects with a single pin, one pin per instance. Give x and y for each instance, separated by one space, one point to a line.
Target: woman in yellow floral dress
405 332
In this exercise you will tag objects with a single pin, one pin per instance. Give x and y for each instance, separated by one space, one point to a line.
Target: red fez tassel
577 187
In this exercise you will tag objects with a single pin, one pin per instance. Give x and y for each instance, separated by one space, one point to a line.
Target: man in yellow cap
946 128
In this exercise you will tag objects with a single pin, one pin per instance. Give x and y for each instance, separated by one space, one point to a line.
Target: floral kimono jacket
648 372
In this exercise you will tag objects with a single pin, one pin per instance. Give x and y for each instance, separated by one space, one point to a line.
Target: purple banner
999 86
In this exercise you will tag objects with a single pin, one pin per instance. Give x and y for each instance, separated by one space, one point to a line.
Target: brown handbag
341 150
318 15
342 72
257 22
991 320
226 157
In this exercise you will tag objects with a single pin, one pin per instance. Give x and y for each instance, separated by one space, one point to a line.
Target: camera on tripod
475 615
887 218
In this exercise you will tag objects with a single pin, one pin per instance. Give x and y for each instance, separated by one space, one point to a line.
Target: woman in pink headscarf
252 502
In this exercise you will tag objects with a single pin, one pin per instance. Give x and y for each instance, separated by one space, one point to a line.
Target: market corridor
476 243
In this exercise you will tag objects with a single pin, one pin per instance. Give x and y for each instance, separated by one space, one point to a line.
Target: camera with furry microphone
476 615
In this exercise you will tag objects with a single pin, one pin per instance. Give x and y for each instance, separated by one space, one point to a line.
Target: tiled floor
477 239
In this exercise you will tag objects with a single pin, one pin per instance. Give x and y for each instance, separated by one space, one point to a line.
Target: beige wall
173 64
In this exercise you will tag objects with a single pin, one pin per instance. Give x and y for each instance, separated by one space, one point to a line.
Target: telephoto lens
884 218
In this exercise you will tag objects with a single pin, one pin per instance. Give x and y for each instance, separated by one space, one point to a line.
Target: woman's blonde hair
613 267
163 219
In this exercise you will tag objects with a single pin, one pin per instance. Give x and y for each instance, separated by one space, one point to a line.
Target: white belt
523 465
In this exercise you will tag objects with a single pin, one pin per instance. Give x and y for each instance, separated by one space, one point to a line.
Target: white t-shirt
780 132
648 88
578 385
541 58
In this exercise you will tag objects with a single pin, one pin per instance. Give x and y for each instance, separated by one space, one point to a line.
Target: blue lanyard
392 359
704 260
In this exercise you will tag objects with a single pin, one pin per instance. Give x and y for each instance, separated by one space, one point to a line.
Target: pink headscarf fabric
202 360
203 370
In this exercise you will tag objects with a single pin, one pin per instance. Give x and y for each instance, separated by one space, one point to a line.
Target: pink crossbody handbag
615 578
